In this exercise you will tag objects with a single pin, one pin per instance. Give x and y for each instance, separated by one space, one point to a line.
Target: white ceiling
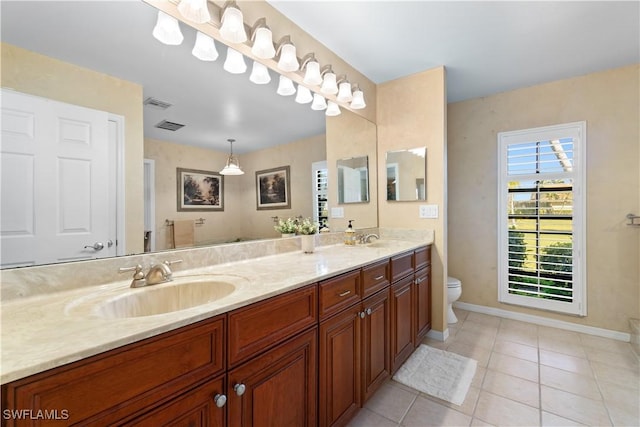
487 47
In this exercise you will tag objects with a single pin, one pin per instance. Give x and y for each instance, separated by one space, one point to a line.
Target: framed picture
199 191
273 188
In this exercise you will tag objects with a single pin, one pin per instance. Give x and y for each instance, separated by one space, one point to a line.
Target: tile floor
527 375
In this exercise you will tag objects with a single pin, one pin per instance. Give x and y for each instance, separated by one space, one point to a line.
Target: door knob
239 389
220 400
97 246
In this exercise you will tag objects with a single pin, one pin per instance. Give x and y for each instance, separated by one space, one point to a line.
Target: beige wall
412 113
39 75
609 103
240 218
349 135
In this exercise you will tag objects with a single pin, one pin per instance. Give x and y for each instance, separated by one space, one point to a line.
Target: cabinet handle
361 314
368 311
379 277
344 294
239 389
220 400
418 281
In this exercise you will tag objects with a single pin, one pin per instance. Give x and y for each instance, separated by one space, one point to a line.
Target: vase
308 243
288 234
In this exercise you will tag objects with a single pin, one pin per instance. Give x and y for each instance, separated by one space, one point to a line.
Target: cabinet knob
239 389
220 400
368 311
362 314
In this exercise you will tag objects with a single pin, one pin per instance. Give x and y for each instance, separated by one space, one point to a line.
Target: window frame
578 131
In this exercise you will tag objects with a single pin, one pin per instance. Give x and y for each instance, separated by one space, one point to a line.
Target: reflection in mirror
406 174
353 180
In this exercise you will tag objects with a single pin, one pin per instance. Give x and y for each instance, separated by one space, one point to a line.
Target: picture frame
199 190
273 188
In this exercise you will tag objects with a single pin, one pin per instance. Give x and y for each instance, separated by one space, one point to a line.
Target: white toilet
454 290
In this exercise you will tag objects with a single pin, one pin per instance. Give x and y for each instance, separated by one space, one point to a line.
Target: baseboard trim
438 335
544 321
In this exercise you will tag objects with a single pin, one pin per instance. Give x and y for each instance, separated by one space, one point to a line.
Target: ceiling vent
167 125
156 103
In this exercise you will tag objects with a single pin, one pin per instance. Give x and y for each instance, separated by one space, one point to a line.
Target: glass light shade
285 87
263 44
329 85
344 92
232 29
259 74
332 109
303 96
358 100
205 48
232 167
235 62
288 60
194 10
319 103
312 74
167 30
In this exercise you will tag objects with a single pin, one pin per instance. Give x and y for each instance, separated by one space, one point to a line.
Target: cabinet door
196 408
277 388
376 330
340 367
423 303
402 321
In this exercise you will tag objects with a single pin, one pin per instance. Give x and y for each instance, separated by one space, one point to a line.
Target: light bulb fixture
358 98
288 60
319 103
303 96
312 70
167 30
232 28
262 38
329 84
259 74
233 165
344 90
332 109
235 62
194 10
285 86
205 48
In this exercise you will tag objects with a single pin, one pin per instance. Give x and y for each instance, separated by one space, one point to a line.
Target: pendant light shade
263 43
344 92
259 74
235 62
233 166
167 30
332 109
195 10
205 48
232 29
312 73
358 99
319 103
329 85
303 96
285 87
288 59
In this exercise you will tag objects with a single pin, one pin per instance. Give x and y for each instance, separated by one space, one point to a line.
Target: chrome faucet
158 273
367 238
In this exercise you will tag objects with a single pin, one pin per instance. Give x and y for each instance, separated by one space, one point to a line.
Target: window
542 218
320 175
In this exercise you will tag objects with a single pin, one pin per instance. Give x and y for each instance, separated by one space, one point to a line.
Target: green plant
558 257
287 226
517 249
307 226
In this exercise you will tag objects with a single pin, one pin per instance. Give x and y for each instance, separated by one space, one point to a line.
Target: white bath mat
438 373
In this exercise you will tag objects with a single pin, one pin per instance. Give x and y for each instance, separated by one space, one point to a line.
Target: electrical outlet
337 212
428 211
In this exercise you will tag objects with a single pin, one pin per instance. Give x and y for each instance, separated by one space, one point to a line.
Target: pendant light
167 30
232 28
233 166
358 98
205 48
194 10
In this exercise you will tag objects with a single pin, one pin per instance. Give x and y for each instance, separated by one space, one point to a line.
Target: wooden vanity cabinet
376 340
402 321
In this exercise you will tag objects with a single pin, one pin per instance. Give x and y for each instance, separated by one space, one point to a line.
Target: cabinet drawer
339 293
375 277
103 389
401 266
423 257
259 326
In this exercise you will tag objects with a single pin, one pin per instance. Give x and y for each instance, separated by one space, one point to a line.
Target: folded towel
183 233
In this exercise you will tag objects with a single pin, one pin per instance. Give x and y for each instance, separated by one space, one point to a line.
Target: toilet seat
452 282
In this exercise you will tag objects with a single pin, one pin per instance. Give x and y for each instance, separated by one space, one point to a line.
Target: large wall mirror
353 180
114 40
406 174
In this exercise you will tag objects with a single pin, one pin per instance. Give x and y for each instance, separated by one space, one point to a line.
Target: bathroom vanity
307 346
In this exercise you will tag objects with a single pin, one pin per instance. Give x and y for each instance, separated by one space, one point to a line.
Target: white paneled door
57 202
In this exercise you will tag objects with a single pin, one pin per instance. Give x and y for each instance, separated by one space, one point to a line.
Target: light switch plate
428 211
337 212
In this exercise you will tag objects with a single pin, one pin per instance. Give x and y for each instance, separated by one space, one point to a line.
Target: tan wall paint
240 218
39 75
609 102
349 135
411 113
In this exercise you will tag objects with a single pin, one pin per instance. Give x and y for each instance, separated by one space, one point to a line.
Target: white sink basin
378 244
180 294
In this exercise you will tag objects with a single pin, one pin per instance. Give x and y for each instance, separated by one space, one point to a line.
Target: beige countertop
49 330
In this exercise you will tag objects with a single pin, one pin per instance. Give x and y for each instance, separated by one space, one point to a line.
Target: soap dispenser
350 234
